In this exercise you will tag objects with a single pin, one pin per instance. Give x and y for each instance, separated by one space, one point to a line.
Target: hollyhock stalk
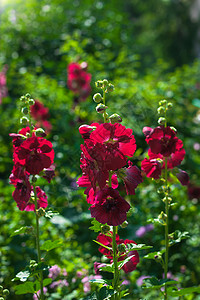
166 230
38 238
116 271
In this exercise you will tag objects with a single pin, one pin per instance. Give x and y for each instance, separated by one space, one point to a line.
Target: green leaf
22 276
105 293
173 291
25 288
157 221
121 264
24 229
96 226
177 236
107 268
155 283
47 281
196 102
50 214
100 281
109 248
49 245
132 247
153 254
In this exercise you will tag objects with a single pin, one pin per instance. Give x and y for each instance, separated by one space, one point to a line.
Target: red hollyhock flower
35 154
49 173
19 138
132 263
118 143
39 111
109 207
132 179
78 80
22 192
107 241
41 200
163 140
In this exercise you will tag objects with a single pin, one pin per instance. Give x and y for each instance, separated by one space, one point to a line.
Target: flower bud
161 121
84 66
169 105
105 83
6 292
40 212
39 132
99 83
23 98
121 248
115 118
28 95
110 88
1 298
101 108
124 225
1 288
24 120
25 110
163 102
31 102
97 98
173 128
105 228
161 110
34 178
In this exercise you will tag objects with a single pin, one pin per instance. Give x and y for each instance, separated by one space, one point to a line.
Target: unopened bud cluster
3 293
106 87
27 102
164 106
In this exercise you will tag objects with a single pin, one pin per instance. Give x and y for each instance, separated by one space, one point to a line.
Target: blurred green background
150 51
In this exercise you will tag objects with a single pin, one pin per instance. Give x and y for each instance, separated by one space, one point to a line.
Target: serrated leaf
107 268
105 293
153 254
154 283
50 245
109 248
175 292
121 264
96 226
25 288
177 236
132 247
22 276
100 281
50 214
21 230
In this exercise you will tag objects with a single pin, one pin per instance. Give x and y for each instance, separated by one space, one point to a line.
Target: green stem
38 242
166 231
116 270
104 102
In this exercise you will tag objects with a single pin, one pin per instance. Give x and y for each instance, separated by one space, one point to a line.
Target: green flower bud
39 132
24 120
115 118
161 110
23 98
25 110
161 121
105 83
163 102
28 95
1 298
124 225
1 288
101 108
173 128
34 178
40 212
169 105
99 83
110 88
121 248
6 292
31 102
97 98
105 228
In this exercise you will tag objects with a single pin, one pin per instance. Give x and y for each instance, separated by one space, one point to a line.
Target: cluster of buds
106 87
4 293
